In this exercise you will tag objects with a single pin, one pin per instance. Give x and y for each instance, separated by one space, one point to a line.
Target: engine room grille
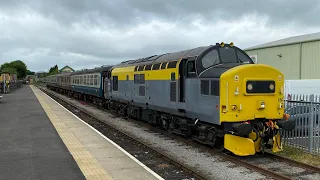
205 87
142 91
215 88
173 91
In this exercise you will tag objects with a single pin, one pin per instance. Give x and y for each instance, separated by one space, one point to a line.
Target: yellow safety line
89 166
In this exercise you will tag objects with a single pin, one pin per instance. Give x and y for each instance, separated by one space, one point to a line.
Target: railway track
270 165
101 126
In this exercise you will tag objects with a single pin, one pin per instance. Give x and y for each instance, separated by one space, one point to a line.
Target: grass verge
299 155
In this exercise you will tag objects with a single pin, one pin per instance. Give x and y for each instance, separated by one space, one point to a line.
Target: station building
297 57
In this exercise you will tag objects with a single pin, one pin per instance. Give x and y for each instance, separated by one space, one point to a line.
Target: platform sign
254 58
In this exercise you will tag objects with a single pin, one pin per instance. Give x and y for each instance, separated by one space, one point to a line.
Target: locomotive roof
94 70
167 57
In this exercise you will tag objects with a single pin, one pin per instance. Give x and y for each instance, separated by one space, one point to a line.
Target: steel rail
225 156
170 159
295 163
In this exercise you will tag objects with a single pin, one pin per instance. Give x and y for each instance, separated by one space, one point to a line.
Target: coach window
95 80
91 79
88 80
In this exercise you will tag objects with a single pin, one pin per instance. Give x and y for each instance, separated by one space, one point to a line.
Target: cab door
186 70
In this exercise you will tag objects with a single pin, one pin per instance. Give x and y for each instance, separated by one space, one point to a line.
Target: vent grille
215 88
173 92
205 87
142 91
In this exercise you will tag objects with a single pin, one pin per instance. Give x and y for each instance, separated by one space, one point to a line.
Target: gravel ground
283 168
213 166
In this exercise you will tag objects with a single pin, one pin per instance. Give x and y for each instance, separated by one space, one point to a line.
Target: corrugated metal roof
287 41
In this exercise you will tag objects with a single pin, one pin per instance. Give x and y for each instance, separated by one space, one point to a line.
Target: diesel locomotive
213 94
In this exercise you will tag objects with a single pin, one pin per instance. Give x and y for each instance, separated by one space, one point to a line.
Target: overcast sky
90 33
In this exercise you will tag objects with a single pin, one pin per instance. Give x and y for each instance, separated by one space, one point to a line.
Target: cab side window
191 69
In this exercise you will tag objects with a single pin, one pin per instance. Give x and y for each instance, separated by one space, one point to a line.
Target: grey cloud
88 33
122 13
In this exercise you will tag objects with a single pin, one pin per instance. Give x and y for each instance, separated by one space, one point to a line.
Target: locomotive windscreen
228 55
220 59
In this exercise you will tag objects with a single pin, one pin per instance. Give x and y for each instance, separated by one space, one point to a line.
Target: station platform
40 139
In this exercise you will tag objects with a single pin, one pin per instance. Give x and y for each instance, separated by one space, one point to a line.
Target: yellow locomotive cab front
252 108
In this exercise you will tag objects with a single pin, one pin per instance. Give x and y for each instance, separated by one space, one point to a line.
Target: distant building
38 74
31 78
296 57
66 69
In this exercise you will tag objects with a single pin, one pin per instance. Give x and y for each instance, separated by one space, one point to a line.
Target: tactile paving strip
89 166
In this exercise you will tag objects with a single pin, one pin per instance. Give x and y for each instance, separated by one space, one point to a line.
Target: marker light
271 86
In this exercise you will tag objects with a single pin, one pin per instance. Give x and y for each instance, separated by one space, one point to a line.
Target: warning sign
236 78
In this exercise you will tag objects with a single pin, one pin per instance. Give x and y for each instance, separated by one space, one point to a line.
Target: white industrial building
297 57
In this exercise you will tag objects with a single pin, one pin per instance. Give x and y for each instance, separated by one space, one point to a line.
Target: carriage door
106 84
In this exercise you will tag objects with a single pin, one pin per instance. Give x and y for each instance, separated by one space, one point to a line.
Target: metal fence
304 111
13 86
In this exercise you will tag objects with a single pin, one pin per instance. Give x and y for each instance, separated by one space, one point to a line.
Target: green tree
53 70
30 72
9 69
20 67
5 65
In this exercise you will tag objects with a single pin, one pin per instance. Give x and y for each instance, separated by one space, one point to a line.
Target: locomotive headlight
271 87
249 87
